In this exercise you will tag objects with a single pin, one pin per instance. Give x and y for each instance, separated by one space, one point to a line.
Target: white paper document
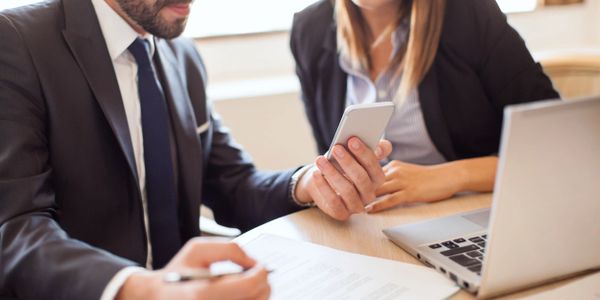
304 270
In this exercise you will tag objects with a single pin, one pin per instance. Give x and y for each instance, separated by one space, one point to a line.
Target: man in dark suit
108 146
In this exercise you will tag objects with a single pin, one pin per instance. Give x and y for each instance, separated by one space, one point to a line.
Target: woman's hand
409 183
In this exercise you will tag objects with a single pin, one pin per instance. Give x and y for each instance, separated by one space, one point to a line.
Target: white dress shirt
118 36
406 130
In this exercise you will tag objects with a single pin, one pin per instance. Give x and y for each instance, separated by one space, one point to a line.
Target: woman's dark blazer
481 66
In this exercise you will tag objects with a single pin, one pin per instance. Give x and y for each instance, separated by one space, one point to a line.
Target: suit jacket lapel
189 149
84 37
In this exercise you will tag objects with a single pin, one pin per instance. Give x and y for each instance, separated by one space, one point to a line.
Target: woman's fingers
387 202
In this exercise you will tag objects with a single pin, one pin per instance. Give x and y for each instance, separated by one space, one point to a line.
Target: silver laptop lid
545 219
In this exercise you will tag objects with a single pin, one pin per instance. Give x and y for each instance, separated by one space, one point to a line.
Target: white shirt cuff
114 285
294 182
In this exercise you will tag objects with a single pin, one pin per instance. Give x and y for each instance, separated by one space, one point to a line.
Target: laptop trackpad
481 218
440 228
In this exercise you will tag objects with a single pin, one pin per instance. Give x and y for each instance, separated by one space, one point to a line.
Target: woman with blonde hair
450 67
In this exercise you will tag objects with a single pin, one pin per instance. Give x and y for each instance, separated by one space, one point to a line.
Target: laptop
544 222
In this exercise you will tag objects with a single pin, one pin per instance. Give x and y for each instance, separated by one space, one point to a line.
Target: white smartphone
365 121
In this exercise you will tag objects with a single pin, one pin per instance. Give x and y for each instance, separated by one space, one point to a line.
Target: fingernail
354 144
321 162
378 151
368 208
339 152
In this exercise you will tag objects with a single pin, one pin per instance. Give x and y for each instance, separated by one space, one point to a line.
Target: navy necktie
160 182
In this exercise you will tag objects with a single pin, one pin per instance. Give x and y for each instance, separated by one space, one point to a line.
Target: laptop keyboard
467 252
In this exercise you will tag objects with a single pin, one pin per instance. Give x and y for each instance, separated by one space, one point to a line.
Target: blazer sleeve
238 194
38 260
507 70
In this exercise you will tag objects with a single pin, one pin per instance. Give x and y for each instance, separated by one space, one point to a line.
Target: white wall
560 27
273 127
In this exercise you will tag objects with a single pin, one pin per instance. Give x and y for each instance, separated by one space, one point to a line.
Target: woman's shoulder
312 28
314 16
471 27
477 13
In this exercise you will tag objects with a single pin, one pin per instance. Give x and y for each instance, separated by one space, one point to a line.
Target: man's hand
199 253
343 194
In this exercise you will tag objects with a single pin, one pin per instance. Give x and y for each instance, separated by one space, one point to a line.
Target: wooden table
362 233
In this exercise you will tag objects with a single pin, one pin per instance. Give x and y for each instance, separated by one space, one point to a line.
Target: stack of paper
303 270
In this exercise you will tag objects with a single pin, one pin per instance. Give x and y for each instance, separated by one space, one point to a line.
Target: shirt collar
117 33
398 37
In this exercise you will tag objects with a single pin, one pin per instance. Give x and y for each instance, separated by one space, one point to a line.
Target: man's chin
169 27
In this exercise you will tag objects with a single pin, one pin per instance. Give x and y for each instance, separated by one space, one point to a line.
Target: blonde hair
414 59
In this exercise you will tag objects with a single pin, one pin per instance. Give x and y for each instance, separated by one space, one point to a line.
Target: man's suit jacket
481 66
70 208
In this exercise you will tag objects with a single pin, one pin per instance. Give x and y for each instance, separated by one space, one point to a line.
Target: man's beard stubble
147 16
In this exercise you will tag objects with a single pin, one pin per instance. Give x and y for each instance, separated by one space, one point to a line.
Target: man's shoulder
33 18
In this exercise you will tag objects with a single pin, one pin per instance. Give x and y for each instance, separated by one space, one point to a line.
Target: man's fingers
367 160
387 202
356 173
201 252
265 293
248 285
340 184
328 200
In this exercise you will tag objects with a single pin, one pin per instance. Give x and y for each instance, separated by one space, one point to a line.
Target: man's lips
180 9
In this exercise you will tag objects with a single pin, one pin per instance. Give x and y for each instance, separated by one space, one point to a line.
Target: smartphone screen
365 121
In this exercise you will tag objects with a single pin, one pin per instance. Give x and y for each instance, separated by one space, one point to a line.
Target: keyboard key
484 236
482 245
450 245
435 246
480 258
459 250
460 240
476 239
475 268
463 260
474 254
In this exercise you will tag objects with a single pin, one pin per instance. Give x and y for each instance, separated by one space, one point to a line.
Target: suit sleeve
507 70
38 260
240 195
